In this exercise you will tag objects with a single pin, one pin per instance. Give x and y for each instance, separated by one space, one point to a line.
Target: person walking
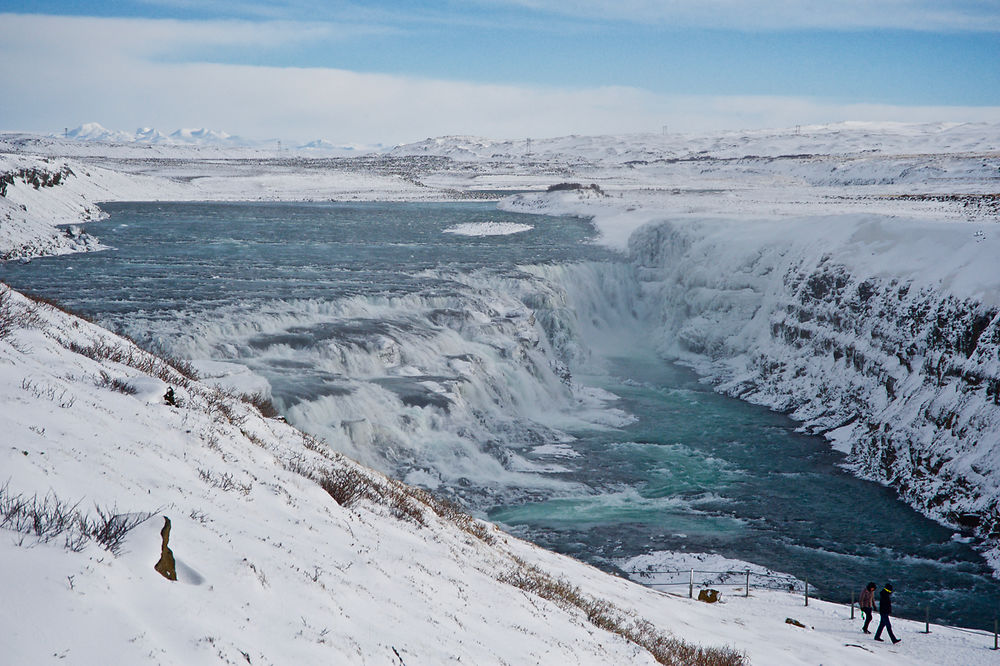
867 605
884 612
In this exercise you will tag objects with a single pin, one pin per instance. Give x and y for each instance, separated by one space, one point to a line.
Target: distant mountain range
95 132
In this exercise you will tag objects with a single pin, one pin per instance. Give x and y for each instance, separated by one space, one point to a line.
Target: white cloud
28 34
922 15
59 72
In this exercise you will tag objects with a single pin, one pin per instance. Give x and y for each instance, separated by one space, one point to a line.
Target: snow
734 239
488 229
95 133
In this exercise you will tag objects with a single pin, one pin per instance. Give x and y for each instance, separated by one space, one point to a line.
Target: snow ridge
198 137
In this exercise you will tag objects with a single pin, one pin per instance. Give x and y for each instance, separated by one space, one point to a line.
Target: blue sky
393 71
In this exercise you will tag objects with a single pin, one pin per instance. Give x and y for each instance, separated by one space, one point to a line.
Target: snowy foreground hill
844 273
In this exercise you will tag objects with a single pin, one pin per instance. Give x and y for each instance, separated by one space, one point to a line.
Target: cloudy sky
391 71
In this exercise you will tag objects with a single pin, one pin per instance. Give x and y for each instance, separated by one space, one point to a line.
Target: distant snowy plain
749 247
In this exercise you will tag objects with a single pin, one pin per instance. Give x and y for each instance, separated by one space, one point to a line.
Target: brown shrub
263 404
347 485
116 384
14 316
134 357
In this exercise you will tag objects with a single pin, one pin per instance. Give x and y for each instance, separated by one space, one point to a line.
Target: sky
393 71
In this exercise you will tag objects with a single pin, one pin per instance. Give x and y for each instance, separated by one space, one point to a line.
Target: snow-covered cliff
882 333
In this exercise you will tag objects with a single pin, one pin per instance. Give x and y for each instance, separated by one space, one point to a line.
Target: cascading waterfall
456 391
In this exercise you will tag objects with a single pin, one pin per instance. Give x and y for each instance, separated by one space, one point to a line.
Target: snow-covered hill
95 133
38 195
834 139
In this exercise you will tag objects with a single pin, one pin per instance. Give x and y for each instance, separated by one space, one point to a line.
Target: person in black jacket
884 611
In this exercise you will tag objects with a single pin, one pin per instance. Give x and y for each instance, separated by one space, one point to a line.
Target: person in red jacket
884 612
867 605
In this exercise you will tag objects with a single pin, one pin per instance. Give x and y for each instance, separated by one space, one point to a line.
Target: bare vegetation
14 316
262 403
567 187
605 615
63 397
116 384
7 324
348 485
453 513
33 176
221 406
224 482
169 370
50 518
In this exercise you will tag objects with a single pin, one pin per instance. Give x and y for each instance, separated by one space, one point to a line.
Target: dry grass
347 485
453 513
49 518
115 384
263 404
14 316
665 648
225 482
170 371
223 406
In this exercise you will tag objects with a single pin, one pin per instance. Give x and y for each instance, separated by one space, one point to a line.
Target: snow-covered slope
268 564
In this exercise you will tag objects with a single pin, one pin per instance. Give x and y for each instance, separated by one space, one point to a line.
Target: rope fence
744 580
